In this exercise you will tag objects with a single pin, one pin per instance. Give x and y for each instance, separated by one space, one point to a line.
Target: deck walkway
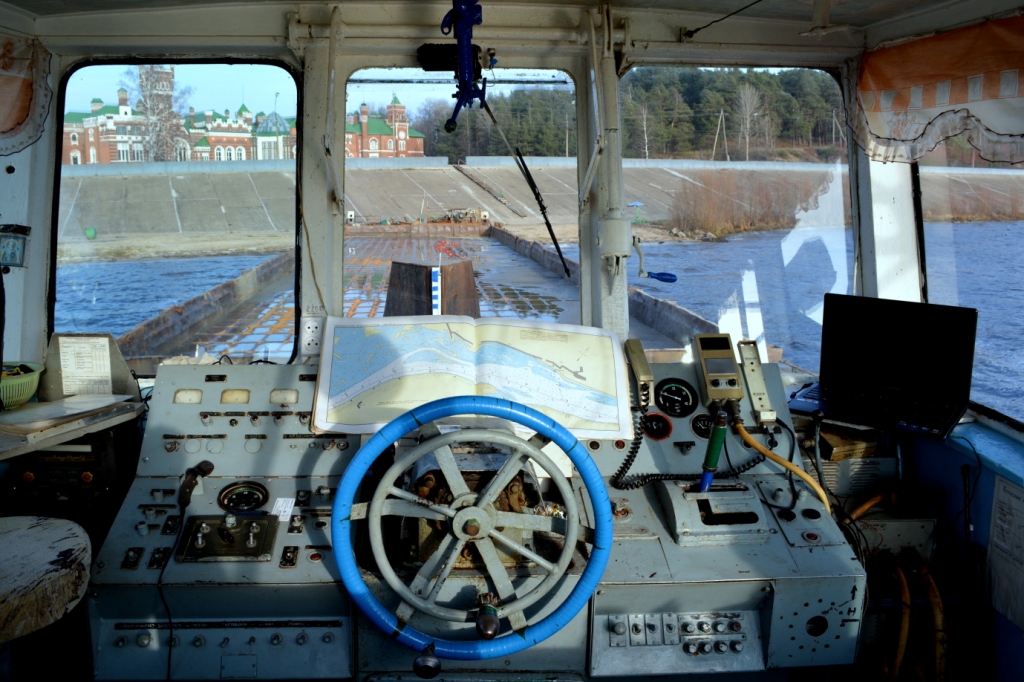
510 285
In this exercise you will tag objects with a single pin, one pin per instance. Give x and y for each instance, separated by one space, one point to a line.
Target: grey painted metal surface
794 586
750 595
288 616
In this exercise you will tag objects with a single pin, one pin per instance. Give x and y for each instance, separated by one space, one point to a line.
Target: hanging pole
718 127
725 139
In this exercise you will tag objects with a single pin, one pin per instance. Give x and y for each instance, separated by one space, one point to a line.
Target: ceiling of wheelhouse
857 13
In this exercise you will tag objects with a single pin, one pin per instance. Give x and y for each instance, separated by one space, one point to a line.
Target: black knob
488 625
427 666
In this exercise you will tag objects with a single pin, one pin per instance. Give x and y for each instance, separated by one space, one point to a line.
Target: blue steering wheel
389 622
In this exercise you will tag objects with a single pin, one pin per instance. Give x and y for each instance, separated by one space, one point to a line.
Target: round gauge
676 397
701 425
656 426
243 496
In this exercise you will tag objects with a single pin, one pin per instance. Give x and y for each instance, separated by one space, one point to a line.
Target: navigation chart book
376 369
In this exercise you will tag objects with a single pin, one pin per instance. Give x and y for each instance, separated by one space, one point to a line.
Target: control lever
191 480
643 274
427 665
487 623
714 450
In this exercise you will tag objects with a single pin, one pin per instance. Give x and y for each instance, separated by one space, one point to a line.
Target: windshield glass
973 223
177 217
439 222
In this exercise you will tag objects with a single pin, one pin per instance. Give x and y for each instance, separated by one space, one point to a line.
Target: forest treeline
683 112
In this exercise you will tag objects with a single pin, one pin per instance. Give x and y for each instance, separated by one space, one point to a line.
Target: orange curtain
24 91
911 97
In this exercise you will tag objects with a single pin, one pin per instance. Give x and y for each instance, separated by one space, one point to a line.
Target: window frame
125 61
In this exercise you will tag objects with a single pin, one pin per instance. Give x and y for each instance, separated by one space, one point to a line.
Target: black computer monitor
896 364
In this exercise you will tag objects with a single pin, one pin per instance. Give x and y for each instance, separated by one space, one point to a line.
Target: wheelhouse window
973 228
737 184
143 267
451 204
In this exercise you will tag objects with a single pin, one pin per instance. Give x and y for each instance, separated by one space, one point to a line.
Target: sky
227 86
214 86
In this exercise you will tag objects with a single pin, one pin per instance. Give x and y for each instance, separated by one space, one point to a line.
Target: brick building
388 136
122 134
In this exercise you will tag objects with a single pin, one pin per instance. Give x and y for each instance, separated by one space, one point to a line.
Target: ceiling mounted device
820 25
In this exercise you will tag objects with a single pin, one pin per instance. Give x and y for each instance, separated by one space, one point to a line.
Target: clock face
401 135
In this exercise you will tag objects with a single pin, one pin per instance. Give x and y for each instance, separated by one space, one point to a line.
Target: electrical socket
311 332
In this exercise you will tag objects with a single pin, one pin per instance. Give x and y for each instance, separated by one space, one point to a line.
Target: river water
115 296
968 264
766 285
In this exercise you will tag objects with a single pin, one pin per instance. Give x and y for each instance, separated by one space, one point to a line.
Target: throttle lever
191 480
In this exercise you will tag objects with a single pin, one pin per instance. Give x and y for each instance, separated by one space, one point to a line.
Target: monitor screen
879 356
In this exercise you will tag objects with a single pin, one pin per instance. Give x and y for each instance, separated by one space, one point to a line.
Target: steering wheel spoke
547 524
525 551
502 583
446 512
411 509
446 462
512 466
437 567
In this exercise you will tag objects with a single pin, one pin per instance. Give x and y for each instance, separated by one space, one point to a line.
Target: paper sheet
1006 550
85 365
378 369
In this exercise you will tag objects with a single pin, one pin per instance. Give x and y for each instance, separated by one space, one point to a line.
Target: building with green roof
374 136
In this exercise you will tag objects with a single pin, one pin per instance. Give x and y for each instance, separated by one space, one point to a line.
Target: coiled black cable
619 480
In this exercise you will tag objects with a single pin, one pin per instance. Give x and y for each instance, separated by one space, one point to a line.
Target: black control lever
191 480
427 666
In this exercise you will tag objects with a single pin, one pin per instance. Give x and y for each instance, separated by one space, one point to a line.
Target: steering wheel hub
472 523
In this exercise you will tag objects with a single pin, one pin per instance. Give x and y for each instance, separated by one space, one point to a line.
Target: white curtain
970 81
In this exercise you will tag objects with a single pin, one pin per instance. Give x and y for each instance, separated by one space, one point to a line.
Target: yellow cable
804 476
864 508
904 631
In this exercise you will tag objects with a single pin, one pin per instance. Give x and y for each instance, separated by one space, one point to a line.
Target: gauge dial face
656 426
675 397
701 425
243 496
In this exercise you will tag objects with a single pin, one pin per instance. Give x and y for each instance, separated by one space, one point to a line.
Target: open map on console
379 369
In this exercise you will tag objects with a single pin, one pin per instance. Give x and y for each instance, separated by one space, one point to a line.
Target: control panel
220 563
242 582
752 573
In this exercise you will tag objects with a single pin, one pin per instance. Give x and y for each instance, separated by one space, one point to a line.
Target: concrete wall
176 168
686 164
247 166
399 163
221 199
